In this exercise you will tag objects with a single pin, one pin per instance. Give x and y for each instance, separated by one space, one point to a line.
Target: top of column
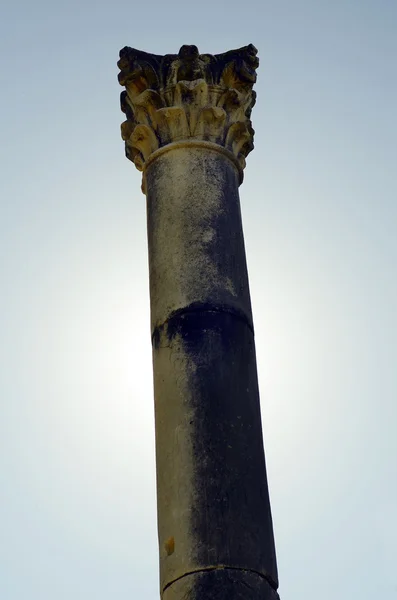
187 97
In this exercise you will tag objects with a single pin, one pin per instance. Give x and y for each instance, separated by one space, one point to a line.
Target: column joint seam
205 308
267 578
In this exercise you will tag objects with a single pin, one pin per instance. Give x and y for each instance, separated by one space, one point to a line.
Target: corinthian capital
187 96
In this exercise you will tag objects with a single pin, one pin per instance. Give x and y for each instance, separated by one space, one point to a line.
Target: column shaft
214 518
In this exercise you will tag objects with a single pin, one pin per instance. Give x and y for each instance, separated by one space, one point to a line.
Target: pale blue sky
77 487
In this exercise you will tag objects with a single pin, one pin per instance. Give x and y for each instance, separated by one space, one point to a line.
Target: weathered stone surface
221 584
213 503
211 474
187 96
196 245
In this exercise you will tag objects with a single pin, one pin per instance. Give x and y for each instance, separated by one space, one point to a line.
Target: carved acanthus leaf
187 96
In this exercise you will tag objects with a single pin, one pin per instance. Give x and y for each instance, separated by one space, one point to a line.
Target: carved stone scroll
187 96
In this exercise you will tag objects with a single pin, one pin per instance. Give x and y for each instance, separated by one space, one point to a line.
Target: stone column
188 129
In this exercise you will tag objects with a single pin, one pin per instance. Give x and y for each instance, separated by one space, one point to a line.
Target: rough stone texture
211 475
187 96
196 245
221 584
213 504
188 129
